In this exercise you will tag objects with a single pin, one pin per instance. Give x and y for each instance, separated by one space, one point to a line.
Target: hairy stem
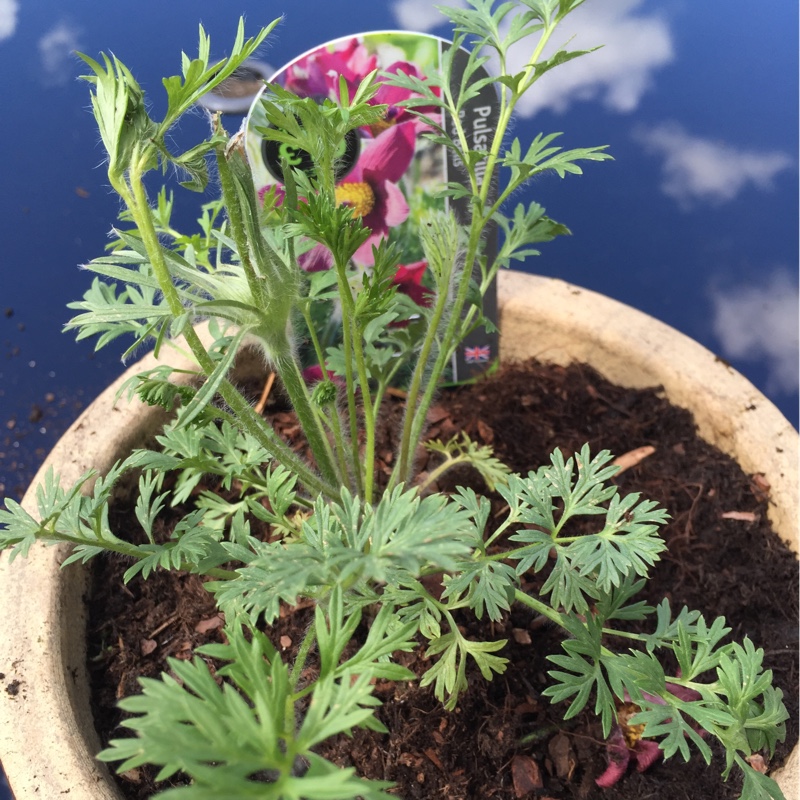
133 193
417 408
349 335
347 469
309 640
277 342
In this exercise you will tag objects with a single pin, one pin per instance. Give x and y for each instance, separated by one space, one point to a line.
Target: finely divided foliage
386 572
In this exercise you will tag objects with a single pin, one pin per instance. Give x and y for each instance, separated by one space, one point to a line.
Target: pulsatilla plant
362 555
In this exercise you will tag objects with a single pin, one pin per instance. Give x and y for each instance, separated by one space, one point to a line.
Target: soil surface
505 740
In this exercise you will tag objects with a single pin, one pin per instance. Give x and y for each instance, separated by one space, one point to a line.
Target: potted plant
402 559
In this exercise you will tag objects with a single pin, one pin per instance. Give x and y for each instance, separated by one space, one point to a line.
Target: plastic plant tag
390 172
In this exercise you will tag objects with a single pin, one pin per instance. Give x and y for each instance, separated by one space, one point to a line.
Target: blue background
715 77
695 222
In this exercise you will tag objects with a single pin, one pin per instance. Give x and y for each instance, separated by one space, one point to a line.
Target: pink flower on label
392 96
317 75
408 280
370 187
317 259
276 194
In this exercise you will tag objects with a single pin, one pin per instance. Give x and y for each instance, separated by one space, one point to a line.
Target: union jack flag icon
477 355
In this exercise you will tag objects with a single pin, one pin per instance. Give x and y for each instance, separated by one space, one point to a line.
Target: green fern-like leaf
449 674
242 738
462 450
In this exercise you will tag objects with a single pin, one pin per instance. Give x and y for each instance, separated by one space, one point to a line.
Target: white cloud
702 169
761 323
56 50
8 18
420 15
634 45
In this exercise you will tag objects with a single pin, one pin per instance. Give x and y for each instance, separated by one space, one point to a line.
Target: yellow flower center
632 733
358 195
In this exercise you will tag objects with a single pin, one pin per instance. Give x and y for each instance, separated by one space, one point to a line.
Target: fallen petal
683 692
646 753
618 758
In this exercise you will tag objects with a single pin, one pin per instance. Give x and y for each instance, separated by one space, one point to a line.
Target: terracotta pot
47 740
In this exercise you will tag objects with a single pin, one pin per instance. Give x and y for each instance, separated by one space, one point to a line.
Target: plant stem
507 522
309 419
276 342
302 654
133 193
369 419
551 614
507 106
124 549
416 411
352 350
448 463
539 607
231 199
413 410
346 470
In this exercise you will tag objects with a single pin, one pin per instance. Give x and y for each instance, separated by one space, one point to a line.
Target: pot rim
637 351
44 659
